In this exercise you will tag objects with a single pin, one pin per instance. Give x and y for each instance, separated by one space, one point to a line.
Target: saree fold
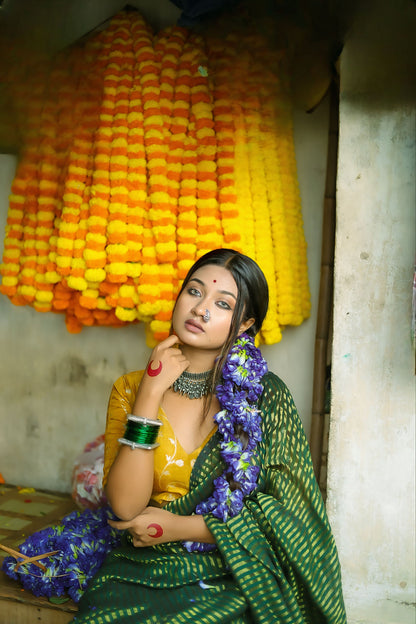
275 562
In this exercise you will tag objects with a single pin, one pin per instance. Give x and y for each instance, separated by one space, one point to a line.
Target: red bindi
215 281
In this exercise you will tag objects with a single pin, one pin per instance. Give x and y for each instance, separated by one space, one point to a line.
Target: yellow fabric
173 465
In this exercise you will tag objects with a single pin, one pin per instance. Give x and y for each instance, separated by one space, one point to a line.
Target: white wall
54 386
371 475
293 358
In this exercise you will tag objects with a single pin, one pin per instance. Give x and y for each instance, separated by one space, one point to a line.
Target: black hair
252 299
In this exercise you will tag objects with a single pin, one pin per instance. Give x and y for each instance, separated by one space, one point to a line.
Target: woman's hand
165 365
157 526
152 526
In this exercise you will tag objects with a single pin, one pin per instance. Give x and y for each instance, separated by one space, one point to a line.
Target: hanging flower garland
251 79
226 97
75 198
187 234
144 152
238 393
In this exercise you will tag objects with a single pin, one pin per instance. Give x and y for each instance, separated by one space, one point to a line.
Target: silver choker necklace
193 385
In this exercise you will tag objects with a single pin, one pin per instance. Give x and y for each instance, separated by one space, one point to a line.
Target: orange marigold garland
210 233
162 208
221 56
164 147
77 188
183 140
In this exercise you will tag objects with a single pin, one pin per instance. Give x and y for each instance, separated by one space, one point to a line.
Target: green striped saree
275 562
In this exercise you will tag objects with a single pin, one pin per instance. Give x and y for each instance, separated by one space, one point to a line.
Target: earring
206 316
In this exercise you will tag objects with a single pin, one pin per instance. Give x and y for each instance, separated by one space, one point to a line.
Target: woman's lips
193 326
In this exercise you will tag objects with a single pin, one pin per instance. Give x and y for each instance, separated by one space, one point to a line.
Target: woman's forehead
212 275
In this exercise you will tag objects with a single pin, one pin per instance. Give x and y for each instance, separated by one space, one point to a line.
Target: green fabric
276 561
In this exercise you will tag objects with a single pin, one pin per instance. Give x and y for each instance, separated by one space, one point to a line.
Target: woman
211 476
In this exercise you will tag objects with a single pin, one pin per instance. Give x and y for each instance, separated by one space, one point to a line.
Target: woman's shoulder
278 410
272 383
275 394
129 381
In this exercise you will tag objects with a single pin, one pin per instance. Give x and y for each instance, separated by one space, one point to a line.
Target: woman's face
210 288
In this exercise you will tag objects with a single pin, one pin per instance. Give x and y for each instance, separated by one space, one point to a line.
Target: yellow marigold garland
164 147
268 199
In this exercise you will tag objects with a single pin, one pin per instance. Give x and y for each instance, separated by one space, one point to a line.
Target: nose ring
206 316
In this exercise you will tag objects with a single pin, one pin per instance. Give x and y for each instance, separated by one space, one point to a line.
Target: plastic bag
87 476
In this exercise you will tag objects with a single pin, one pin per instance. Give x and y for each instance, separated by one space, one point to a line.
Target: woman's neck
200 360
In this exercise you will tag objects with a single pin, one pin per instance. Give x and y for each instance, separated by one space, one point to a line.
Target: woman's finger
169 342
119 524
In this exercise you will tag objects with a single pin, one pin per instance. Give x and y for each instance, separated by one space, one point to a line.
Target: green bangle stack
141 432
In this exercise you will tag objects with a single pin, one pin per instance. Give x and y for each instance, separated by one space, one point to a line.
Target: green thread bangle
141 432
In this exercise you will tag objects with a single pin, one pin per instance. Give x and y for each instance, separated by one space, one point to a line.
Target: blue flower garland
238 394
83 540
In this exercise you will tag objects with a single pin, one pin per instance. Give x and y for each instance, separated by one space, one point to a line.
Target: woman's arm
156 526
130 479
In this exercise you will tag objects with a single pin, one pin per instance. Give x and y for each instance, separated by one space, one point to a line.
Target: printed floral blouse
173 465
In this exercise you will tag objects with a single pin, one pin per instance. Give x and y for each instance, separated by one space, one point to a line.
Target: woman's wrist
141 432
192 529
147 402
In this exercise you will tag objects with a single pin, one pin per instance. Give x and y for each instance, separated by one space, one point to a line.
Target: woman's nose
202 311
199 309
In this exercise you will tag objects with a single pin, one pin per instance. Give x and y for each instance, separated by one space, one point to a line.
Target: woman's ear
246 325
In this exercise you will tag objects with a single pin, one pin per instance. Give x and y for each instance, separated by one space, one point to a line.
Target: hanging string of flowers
187 234
71 243
142 152
267 195
234 223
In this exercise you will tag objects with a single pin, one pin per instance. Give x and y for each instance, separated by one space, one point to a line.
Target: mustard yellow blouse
173 465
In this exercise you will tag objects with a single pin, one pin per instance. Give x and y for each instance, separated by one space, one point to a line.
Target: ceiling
46 26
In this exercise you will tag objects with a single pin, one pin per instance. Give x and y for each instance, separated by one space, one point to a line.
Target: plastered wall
371 484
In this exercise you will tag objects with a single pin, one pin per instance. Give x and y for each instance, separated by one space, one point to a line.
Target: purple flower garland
238 395
83 540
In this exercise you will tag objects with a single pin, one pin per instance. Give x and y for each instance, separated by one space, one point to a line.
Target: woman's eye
223 304
194 292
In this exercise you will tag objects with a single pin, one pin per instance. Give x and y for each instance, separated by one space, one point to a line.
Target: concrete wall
54 386
371 484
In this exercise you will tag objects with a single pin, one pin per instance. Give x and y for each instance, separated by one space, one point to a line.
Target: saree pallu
275 562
